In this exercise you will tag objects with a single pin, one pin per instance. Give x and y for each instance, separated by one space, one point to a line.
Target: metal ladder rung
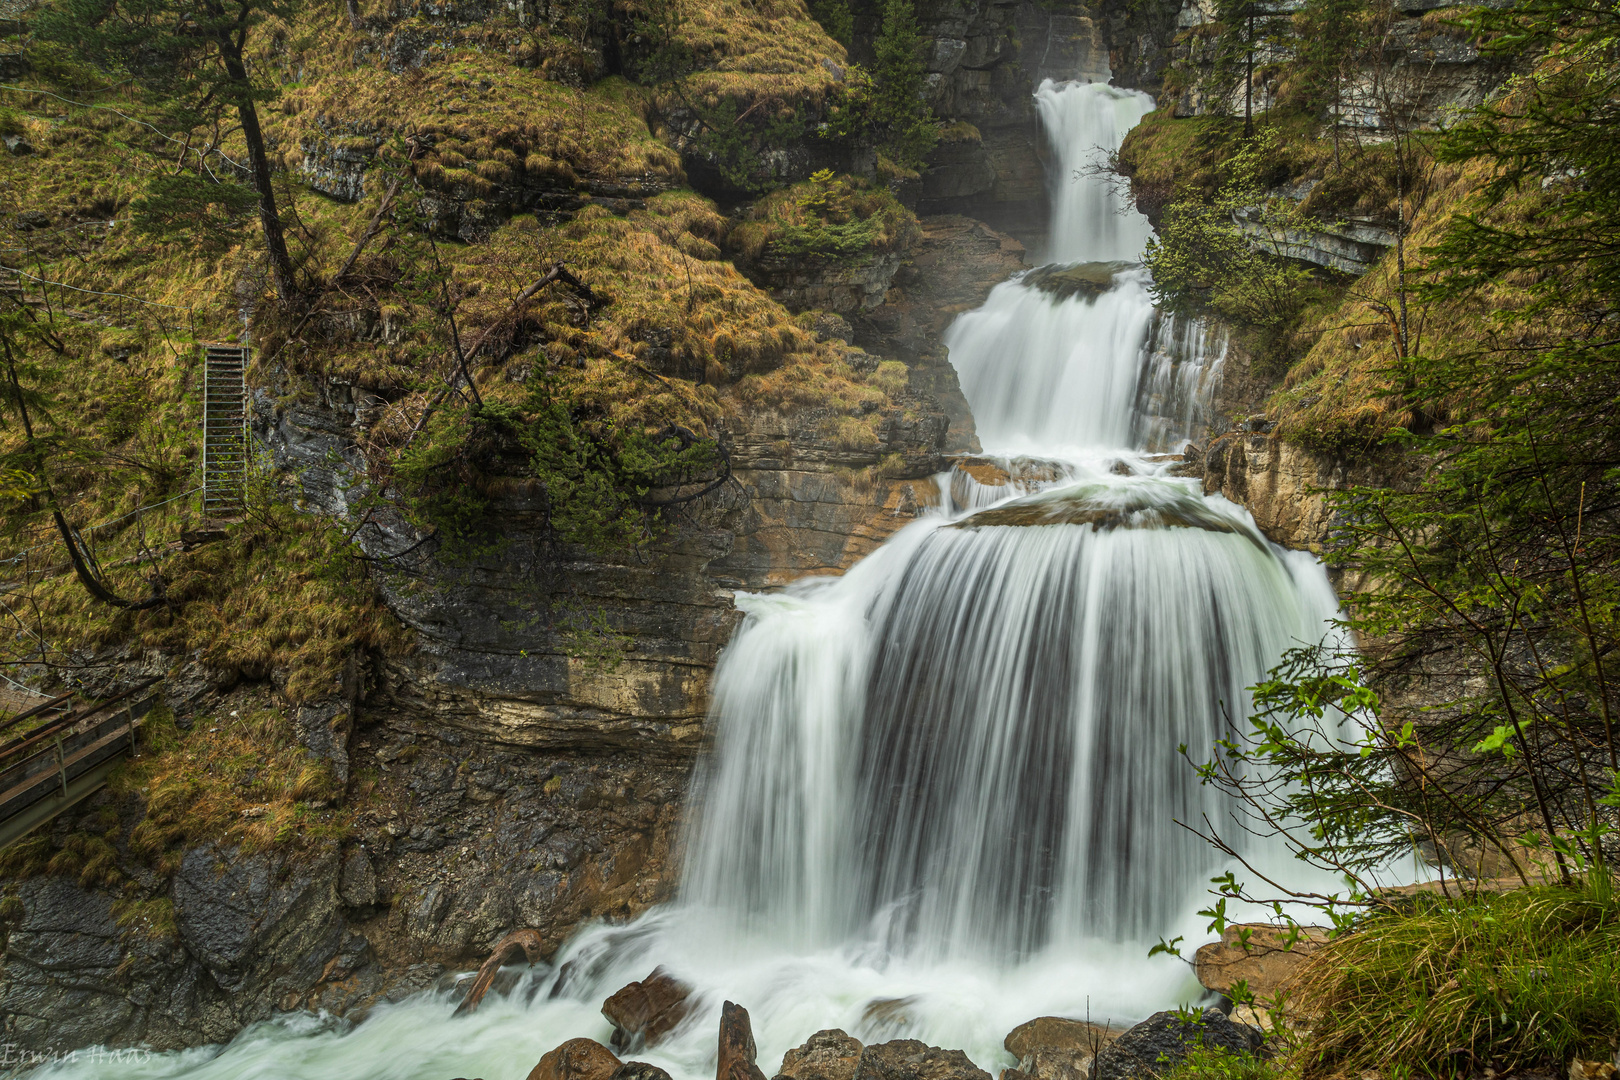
224 421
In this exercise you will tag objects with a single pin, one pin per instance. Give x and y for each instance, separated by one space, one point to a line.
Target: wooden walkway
66 758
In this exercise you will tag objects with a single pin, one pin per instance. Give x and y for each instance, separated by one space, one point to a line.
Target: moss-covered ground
485 113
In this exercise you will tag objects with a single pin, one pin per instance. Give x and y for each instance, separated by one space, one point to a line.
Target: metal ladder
225 443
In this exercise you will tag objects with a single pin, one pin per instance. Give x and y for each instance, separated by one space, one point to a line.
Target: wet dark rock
1165 1038
909 1059
1080 279
639 1070
642 1013
357 885
1059 1033
236 912
577 1059
827 1055
737 1049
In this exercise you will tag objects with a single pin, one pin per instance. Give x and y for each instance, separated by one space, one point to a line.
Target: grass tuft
1523 979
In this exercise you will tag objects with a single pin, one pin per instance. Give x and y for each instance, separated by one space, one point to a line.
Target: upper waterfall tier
1092 221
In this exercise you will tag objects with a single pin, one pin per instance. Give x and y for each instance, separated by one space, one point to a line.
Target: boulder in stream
1052 1063
640 1070
1057 1033
577 1059
1163 1039
642 1013
826 1055
909 1059
1265 957
737 1050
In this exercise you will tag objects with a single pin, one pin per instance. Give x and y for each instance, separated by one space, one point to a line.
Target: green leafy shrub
596 474
826 216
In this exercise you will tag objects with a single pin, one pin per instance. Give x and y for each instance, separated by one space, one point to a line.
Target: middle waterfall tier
1052 367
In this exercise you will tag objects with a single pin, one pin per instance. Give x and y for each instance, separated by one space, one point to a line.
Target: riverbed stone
639 1070
830 1054
1057 1032
911 1059
1052 1063
577 1059
737 1049
642 1013
1260 955
1165 1038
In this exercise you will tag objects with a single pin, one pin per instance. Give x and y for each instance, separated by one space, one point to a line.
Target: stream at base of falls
943 792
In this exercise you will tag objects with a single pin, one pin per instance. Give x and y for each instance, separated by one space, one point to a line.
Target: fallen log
526 943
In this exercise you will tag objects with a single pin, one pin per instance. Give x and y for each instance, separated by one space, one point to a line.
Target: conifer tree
901 114
192 56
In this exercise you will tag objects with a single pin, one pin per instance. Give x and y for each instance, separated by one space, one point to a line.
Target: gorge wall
494 777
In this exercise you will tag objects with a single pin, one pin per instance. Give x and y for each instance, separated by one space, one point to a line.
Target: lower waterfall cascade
943 789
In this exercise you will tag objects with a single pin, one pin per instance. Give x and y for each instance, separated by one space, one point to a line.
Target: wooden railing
65 758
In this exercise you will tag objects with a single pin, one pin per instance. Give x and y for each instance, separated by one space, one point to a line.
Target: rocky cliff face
984 60
495 779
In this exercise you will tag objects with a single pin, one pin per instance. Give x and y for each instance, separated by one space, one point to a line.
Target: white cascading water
1085 124
943 790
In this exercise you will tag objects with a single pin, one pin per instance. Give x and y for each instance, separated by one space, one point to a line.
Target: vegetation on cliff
826 217
494 276
1482 585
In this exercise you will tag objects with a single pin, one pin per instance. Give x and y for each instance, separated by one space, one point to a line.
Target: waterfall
1092 221
967 747
942 792
1046 374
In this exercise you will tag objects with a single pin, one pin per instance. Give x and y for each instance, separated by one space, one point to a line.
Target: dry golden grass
241 779
754 50
1341 395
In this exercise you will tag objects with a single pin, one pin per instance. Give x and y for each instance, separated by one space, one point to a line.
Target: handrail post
61 766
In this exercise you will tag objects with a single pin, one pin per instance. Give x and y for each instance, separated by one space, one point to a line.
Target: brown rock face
952 269
1046 1063
577 1059
1269 964
640 1070
909 1059
642 1013
737 1050
826 1055
1056 1033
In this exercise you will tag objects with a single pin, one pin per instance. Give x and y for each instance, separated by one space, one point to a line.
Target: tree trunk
1248 82
275 242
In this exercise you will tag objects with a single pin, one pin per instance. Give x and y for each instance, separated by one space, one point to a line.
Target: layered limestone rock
1266 958
497 777
1286 485
983 60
